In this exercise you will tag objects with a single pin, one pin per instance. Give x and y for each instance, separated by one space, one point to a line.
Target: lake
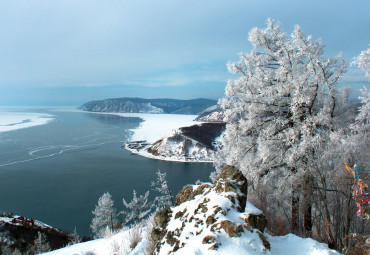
56 172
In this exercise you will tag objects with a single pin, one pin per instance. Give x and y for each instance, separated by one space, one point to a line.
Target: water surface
56 172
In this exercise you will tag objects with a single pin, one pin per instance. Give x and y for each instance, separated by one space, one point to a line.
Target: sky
68 52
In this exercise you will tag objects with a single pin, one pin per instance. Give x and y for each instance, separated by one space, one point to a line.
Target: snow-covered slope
211 114
186 144
207 219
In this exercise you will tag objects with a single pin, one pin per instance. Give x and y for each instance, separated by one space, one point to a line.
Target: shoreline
144 153
152 128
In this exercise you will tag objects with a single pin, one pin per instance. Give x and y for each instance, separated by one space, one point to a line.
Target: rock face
212 219
141 105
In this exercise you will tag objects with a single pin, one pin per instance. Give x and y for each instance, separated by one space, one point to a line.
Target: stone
242 199
210 220
256 221
185 194
264 240
162 217
231 228
230 172
208 239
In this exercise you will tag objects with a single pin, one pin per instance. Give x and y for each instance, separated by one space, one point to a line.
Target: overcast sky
72 51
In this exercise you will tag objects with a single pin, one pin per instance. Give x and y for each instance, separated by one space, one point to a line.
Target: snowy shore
10 121
144 153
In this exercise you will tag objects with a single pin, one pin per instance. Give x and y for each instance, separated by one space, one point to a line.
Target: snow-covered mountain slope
20 233
207 219
211 114
141 105
187 144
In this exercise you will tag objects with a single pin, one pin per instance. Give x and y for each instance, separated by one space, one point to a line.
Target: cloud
154 43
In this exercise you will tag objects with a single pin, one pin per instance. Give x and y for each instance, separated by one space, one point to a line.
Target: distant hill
141 105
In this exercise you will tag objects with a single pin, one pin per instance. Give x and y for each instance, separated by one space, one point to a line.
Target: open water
56 172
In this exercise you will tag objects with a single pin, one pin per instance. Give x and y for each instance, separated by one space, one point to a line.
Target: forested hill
141 105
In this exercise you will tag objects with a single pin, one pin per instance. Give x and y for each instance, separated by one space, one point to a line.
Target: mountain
141 105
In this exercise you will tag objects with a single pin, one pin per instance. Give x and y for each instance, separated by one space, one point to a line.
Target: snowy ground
10 121
155 126
280 245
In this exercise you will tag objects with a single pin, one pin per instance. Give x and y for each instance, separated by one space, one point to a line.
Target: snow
116 244
280 245
155 126
10 218
292 245
10 121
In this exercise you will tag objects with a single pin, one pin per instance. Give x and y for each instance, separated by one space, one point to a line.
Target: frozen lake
56 171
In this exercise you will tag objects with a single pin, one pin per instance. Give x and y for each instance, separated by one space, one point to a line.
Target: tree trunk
307 208
295 211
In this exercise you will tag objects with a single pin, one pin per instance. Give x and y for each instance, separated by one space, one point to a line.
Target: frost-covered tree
138 208
280 112
74 237
40 244
360 129
104 215
160 185
363 62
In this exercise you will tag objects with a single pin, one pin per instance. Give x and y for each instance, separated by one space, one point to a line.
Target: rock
231 229
161 218
264 240
230 172
242 199
208 239
157 234
256 221
185 194
180 214
209 214
210 220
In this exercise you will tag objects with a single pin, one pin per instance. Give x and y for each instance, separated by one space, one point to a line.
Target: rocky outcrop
180 147
212 218
194 143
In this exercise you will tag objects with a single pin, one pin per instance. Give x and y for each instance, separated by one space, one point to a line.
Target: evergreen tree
40 244
160 185
138 208
104 215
